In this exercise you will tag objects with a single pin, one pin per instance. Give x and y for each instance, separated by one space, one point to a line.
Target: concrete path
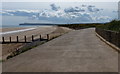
77 51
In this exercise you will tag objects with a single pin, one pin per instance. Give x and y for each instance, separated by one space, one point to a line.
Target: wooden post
3 39
32 38
47 36
10 39
119 39
40 37
17 39
25 38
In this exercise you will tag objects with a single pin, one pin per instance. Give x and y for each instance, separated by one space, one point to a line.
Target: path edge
108 43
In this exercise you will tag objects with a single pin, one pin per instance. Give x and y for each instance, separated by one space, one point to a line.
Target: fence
25 39
110 36
28 39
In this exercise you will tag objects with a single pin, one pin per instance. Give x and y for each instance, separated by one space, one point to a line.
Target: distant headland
36 24
55 23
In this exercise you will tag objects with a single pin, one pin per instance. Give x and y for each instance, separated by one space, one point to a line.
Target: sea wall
110 36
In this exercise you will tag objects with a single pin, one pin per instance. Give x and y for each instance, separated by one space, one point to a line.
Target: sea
14 21
13 26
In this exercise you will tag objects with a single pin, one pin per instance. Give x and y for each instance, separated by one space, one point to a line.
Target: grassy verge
113 26
81 26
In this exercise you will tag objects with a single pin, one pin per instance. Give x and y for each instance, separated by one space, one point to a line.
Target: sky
14 12
60 0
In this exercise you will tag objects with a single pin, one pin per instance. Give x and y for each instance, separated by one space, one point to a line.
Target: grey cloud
91 6
74 9
84 5
71 14
54 7
103 19
19 12
93 9
115 11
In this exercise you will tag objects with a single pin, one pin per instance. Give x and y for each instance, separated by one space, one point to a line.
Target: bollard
119 39
25 38
40 37
47 36
17 39
10 39
32 38
3 39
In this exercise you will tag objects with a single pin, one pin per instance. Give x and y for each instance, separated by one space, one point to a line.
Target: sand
11 29
37 31
8 48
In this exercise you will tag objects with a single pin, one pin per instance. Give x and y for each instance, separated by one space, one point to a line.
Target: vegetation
80 26
113 25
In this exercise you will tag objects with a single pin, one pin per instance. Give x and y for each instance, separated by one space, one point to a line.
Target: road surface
76 51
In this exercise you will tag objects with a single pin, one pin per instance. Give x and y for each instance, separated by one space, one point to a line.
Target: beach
11 29
28 32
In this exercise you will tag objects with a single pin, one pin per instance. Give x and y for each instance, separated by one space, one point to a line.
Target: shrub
113 25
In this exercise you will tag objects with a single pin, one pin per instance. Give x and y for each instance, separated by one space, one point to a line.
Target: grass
80 26
113 26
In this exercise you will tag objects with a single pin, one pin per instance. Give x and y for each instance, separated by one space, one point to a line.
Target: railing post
17 39
10 39
25 38
32 38
47 36
3 40
96 29
119 39
40 37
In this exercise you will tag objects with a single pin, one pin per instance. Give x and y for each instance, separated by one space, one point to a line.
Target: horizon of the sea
10 26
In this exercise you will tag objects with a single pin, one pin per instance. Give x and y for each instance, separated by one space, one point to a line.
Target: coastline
8 48
15 31
5 29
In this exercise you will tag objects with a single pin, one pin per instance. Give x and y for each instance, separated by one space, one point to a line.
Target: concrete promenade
76 51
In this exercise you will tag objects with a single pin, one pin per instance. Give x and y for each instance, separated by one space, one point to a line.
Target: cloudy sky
58 12
59 0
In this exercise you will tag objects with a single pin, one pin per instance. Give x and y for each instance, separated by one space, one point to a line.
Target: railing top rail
108 30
